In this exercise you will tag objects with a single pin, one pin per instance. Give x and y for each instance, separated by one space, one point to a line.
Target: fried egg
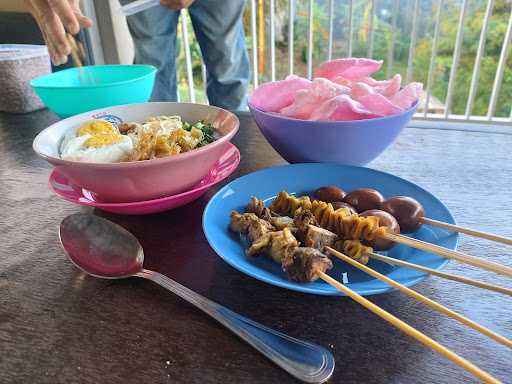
96 141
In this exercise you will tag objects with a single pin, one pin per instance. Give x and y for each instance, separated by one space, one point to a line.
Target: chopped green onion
207 129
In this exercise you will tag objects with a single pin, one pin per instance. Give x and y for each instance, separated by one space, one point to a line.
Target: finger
49 44
51 24
56 32
84 21
64 11
58 54
56 57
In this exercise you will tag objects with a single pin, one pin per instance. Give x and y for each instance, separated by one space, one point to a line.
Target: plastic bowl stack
142 186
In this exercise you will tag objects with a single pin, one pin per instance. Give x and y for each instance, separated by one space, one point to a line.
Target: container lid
21 51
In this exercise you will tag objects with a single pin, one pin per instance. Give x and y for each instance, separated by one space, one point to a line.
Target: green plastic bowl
76 90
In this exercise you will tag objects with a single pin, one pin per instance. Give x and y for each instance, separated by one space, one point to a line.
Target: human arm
55 18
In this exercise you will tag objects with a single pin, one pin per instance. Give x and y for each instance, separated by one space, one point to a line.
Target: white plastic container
138 6
19 64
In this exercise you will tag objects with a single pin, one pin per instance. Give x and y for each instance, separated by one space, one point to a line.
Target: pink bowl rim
139 163
97 204
340 122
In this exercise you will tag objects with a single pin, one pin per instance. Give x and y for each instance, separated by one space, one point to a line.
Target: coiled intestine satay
286 204
354 249
257 207
346 225
350 228
341 221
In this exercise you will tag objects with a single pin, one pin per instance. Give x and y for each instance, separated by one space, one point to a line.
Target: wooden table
59 325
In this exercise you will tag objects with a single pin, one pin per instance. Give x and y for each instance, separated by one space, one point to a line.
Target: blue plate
305 178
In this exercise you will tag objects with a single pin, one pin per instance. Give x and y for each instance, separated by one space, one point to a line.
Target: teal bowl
76 90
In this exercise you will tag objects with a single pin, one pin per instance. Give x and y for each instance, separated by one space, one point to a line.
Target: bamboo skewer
411 331
449 254
448 276
75 53
425 300
467 231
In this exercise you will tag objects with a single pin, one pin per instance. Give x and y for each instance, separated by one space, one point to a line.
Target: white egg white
73 149
70 135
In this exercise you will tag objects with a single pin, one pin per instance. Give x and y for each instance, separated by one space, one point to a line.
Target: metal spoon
106 250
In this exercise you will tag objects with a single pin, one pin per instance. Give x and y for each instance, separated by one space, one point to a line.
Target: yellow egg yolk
103 139
103 133
94 127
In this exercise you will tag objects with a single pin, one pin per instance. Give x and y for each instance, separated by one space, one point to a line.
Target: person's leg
219 31
154 37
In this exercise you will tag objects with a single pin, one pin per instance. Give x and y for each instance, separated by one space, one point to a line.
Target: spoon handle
306 361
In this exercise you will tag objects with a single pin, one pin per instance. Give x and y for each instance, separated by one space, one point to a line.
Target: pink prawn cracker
342 89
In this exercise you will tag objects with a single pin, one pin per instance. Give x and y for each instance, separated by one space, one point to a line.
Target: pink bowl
226 165
147 179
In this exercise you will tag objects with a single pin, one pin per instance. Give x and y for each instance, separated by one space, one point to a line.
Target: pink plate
226 165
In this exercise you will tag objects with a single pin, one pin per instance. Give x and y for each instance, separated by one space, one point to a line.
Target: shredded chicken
144 141
128 127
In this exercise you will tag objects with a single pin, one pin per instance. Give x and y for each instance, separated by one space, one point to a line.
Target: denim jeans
219 31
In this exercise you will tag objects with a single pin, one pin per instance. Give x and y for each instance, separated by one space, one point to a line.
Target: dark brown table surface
59 325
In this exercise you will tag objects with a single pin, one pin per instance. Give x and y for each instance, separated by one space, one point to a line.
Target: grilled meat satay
281 222
303 265
239 222
278 245
283 245
258 228
249 223
302 218
318 238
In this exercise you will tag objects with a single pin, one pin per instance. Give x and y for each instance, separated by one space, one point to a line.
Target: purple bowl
354 142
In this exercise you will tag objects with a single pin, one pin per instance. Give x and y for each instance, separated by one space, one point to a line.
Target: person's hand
55 18
176 4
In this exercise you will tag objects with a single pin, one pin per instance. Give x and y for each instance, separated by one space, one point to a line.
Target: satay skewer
450 254
410 214
425 300
309 264
448 276
467 231
411 331
349 226
408 211
75 50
